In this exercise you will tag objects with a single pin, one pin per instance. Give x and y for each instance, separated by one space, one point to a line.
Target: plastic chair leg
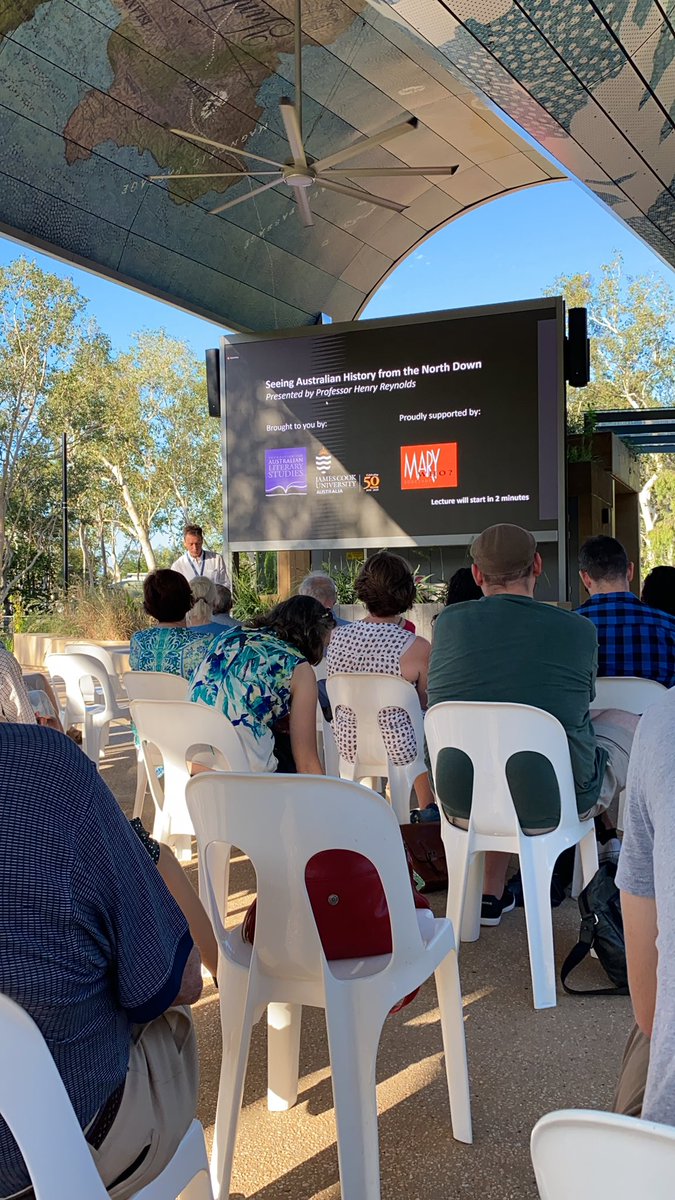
283 1055
400 794
473 896
353 1038
454 1046
141 786
588 853
91 740
236 1031
536 872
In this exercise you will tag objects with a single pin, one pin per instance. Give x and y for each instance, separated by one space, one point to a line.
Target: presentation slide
416 432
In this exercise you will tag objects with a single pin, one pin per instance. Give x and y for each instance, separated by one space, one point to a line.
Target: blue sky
510 249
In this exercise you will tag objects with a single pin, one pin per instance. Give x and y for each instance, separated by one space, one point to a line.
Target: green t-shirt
512 649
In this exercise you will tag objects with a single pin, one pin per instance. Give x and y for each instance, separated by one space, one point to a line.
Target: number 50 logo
371 482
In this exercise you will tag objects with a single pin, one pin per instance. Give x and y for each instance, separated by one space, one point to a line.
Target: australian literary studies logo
430 466
286 472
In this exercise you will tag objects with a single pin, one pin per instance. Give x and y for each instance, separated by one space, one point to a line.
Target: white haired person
204 597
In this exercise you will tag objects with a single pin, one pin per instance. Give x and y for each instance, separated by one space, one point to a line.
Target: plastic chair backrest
103 655
73 669
629 693
37 1108
175 726
280 822
490 734
366 695
588 1155
155 685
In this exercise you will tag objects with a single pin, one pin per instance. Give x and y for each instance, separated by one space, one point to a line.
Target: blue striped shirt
633 639
90 939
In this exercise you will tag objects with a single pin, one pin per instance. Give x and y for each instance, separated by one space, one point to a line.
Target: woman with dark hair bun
382 645
462 586
261 677
658 590
169 645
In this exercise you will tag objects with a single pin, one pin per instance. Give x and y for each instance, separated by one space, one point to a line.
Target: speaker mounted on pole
577 349
213 382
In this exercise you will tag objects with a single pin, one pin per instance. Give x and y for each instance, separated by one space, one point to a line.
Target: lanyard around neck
191 562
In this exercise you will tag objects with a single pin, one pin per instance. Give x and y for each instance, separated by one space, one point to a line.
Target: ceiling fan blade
297 40
356 194
302 201
197 137
247 196
383 172
289 117
216 175
365 143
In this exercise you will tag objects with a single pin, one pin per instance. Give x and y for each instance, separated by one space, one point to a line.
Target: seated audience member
380 645
18 702
222 608
658 590
100 955
260 675
320 585
632 638
462 586
509 648
169 645
200 616
645 880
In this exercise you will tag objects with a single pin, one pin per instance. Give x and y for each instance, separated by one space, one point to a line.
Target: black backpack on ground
602 930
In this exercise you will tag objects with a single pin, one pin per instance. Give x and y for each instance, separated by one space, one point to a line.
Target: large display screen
420 431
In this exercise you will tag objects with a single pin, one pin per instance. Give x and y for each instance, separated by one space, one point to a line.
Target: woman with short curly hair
261 677
381 644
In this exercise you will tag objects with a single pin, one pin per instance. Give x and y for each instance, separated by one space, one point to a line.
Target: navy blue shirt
633 639
91 941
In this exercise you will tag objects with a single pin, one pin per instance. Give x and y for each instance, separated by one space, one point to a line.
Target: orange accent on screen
433 465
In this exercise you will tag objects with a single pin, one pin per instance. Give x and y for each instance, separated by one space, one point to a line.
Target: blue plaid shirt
90 939
633 639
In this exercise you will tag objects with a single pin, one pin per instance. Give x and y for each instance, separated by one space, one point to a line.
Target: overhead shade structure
646 431
90 90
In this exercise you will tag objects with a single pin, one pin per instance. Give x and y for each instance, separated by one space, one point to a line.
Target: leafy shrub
248 601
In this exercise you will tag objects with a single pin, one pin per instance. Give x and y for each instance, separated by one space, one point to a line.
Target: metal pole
64 507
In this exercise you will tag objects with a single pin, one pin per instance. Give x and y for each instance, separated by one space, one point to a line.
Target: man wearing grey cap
509 648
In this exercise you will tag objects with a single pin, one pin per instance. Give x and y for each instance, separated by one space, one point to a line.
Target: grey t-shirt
646 869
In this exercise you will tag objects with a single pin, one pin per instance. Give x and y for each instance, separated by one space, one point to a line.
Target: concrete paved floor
522 1064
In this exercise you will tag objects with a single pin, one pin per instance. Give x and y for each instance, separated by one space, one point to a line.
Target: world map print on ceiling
89 92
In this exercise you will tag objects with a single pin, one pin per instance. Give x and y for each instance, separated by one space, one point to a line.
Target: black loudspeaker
577 349
213 381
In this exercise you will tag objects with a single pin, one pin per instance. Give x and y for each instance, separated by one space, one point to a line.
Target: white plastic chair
37 1109
176 727
629 693
325 738
366 695
490 734
104 656
76 670
151 685
280 822
589 1155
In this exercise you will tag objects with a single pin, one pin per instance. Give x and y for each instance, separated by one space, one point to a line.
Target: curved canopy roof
89 89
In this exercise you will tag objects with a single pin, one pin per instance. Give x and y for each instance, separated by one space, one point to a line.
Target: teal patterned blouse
176 650
247 675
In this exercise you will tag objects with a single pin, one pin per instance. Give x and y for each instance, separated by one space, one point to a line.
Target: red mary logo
429 466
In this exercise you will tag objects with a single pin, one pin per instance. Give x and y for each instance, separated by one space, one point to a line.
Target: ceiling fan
302 173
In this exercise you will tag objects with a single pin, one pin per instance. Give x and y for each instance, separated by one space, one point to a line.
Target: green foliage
344 578
248 601
103 613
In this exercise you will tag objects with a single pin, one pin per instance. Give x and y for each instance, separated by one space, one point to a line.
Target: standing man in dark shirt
96 950
633 639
